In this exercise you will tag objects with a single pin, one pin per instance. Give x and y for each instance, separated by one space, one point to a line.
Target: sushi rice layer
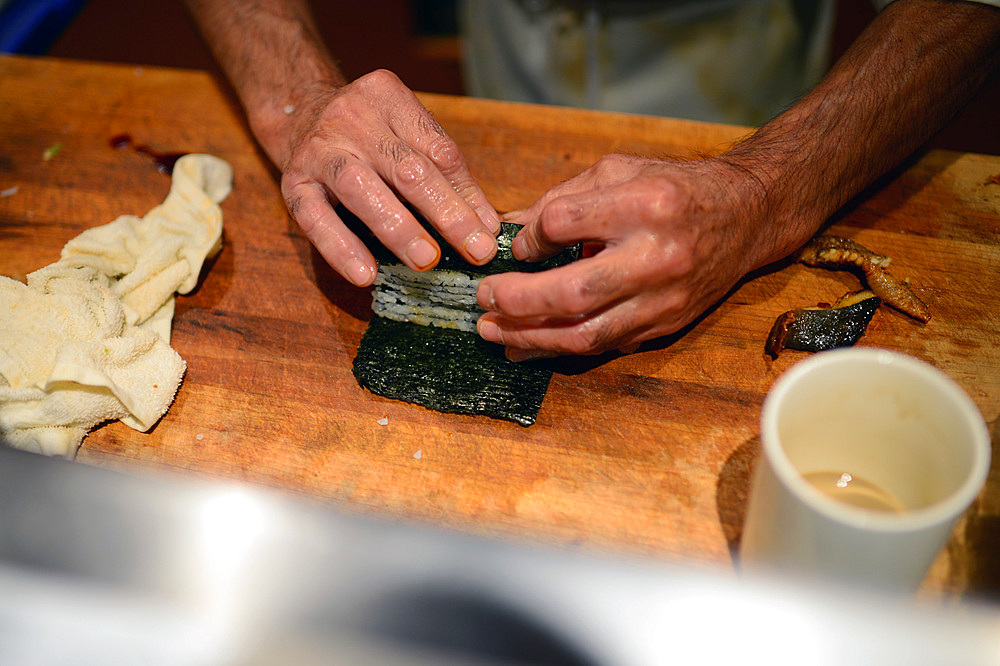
442 298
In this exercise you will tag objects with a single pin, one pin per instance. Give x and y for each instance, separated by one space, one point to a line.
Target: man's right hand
369 145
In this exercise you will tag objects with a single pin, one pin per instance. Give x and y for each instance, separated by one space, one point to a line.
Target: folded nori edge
450 370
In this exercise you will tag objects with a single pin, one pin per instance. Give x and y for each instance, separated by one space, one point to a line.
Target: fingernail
358 273
511 215
421 253
518 355
490 219
489 331
480 246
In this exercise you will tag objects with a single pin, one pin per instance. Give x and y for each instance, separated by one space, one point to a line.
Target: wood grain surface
647 454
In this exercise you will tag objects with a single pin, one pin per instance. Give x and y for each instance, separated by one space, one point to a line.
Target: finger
309 206
579 184
572 290
366 195
609 329
567 219
421 130
420 182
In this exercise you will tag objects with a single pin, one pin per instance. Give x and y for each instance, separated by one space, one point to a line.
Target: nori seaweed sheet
450 370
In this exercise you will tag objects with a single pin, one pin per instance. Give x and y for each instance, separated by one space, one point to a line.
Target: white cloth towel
87 339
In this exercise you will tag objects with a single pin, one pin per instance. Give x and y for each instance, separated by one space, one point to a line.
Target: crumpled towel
87 339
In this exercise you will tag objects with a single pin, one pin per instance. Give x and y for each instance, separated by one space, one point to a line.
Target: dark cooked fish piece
823 327
835 252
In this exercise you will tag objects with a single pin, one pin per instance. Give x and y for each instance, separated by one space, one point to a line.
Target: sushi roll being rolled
422 347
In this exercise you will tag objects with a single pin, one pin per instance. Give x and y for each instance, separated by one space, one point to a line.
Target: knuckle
467 189
678 259
409 168
575 343
379 79
662 198
335 166
556 216
672 304
610 164
425 122
445 154
346 175
309 215
612 160
393 149
346 112
585 339
293 202
579 294
600 335
534 242
504 299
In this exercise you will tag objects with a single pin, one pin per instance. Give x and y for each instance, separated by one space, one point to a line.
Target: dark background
414 38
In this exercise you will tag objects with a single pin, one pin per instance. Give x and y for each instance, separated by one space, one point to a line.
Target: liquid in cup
854 490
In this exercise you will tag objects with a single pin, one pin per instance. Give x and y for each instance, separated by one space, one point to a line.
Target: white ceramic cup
862 415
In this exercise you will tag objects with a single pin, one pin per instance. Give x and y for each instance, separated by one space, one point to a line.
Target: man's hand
673 238
367 145
677 236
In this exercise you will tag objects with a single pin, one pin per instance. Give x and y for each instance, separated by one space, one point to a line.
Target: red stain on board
164 162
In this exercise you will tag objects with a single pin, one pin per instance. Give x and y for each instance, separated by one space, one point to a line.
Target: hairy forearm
915 66
274 57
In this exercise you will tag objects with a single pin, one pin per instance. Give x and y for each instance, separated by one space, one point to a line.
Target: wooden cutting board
648 453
